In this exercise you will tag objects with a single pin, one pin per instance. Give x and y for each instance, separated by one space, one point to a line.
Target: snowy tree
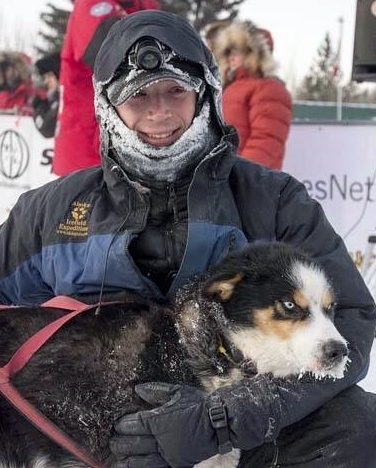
198 12
323 79
320 84
55 24
202 12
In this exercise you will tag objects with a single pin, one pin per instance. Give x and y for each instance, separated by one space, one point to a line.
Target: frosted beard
146 162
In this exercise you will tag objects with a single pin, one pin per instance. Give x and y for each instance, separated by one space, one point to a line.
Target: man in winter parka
77 132
255 101
172 198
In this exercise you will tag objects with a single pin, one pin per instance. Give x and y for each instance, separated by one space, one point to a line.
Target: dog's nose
334 351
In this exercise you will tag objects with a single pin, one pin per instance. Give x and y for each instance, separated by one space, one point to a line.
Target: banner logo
14 154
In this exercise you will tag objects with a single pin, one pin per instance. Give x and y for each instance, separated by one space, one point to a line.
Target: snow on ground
369 383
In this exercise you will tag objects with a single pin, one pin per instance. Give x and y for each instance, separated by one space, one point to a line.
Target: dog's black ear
222 288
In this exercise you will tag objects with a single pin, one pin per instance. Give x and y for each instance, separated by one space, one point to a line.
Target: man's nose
158 105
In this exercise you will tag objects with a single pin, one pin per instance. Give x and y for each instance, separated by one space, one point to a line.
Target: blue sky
298 27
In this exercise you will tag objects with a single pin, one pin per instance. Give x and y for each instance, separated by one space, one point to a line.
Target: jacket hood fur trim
19 60
246 37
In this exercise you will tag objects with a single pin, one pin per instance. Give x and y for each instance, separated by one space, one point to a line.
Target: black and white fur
268 308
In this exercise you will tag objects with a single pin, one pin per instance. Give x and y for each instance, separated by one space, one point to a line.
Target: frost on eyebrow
186 81
189 81
131 81
182 84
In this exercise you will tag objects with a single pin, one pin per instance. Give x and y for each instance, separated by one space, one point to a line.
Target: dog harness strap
218 419
31 346
18 361
44 424
65 302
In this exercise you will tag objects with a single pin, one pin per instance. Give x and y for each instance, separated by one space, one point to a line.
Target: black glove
189 426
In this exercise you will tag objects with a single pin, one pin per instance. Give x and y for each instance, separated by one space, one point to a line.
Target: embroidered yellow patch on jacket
76 223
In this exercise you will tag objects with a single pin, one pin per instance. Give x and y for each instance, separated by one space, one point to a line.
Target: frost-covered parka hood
19 60
171 30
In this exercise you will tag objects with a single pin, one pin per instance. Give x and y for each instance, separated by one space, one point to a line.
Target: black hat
150 61
49 63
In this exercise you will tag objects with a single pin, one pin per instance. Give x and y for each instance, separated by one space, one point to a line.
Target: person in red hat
77 133
255 101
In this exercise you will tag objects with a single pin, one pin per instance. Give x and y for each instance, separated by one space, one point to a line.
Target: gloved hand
189 426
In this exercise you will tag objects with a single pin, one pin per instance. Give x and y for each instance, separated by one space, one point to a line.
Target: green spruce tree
320 83
55 24
198 12
202 12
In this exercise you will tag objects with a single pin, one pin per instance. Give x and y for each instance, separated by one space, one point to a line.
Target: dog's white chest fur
288 335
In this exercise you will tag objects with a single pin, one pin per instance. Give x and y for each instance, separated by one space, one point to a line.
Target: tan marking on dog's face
302 300
266 322
225 288
296 335
328 298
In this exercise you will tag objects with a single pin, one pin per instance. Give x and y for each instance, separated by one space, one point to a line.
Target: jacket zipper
172 204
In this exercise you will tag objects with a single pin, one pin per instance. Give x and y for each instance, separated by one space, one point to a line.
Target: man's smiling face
160 113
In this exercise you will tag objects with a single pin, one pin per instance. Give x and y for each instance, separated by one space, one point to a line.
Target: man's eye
178 90
139 94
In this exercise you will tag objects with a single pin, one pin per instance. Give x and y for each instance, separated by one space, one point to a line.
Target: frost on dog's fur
278 313
269 311
268 308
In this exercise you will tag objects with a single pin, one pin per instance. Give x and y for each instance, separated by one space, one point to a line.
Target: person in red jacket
255 101
77 132
16 88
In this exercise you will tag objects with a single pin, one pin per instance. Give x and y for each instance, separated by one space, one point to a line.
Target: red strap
22 356
66 302
31 346
42 423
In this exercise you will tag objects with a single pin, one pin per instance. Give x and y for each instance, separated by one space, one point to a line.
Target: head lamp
149 61
149 54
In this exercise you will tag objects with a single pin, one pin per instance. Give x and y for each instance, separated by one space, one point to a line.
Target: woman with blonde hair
255 101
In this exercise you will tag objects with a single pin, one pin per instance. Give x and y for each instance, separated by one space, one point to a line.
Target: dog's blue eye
288 305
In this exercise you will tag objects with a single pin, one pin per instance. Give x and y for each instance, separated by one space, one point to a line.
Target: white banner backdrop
337 163
25 159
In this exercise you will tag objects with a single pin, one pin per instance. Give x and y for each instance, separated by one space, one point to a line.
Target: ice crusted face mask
144 161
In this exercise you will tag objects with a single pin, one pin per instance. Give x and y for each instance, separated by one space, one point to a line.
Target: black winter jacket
45 113
72 234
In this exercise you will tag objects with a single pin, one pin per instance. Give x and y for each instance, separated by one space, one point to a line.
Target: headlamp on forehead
149 54
150 61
